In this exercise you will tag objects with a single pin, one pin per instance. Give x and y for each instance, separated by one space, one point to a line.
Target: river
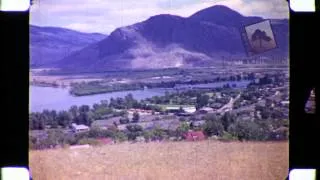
59 99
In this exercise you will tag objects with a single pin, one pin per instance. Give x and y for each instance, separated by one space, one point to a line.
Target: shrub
89 141
228 137
248 130
81 135
65 146
32 142
120 136
280 134
124 120
71 140
100 133
213 127
147 135
133 135
135 117
134 128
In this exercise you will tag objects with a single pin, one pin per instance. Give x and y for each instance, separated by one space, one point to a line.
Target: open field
170 161
66 80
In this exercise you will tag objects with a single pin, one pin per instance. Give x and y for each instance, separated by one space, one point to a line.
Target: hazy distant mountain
49 44
164 41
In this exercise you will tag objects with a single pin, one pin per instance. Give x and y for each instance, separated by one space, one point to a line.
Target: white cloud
105 15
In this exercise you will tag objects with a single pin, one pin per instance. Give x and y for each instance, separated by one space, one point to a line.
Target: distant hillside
164 41
49 44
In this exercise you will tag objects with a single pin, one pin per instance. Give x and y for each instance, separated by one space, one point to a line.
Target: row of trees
276 79
96 87
198 98
226 127
258 129
85 114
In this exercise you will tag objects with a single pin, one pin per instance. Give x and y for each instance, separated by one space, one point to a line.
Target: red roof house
194 136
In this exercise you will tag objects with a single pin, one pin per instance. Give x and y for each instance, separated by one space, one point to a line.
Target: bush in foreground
90 141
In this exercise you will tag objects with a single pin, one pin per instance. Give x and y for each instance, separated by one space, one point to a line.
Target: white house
141 112
79 128
189 109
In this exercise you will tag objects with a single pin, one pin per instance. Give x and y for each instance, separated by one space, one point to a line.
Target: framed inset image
260 37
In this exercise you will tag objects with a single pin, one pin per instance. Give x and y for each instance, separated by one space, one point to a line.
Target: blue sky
104 16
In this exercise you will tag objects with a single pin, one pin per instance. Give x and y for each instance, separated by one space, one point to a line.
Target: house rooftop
206 109
81 126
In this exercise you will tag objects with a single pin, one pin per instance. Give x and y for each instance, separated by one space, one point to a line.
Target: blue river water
59 99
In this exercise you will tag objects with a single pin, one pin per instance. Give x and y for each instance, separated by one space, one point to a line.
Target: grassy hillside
171 161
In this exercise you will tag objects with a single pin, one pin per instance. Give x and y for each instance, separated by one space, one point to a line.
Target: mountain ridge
50 44
164 41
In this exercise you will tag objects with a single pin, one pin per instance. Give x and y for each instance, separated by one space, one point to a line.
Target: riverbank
90 88
60 98
62 81
42 98
106 82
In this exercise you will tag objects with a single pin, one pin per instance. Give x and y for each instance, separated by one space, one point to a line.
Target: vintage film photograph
163 89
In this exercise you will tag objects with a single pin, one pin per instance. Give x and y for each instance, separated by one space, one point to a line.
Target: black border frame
14 30
304 128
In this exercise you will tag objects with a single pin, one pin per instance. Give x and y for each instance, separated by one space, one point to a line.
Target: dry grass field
169 161
66 80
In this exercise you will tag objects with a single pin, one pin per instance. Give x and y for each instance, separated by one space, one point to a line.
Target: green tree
55 137
158 133
85 118
120 136
129 101
74 111
95 132
37 121
202 100
64 118
124 120
213 127
70 140
135 117
228 137
112 103
184 127
247 130
95 106
148 135
227 119
104 103
84 108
